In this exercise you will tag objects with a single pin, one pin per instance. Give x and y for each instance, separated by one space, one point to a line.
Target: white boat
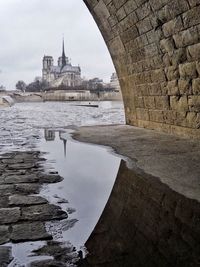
6 101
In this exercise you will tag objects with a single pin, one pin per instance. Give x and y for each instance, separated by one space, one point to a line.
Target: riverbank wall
65 96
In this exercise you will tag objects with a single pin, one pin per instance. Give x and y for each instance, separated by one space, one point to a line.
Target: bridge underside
155 48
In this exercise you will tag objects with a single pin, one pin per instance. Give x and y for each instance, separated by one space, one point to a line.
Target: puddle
89 173
23 254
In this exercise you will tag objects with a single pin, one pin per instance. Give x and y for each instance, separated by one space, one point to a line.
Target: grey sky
31 28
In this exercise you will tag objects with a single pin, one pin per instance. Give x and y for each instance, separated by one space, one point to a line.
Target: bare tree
20 85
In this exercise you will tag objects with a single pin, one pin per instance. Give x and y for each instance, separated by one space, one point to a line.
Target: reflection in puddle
145 223
89 173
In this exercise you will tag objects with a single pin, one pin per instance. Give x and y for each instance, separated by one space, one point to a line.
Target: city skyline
37 28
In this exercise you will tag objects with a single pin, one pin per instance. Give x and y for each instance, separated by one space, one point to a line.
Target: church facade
62 74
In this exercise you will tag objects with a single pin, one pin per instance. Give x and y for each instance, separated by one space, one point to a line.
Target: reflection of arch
155 50
145 223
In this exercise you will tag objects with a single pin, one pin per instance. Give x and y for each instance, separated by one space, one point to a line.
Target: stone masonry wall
155 47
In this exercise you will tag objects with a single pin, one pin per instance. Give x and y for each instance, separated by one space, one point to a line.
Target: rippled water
20 125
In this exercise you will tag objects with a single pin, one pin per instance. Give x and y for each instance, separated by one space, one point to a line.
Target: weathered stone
173 88
43 213
188 70
9 215
179 104
5 256
3 201
156 115
6 190
196 86
21 166
142 114
186 37
4 235
162 102
12 160
173 26
172 73
194 103
184 87
17 179
33 188
191 17
49 178
29 231
193 52
167 45
20 200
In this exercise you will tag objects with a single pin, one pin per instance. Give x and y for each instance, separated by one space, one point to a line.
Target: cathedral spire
63 54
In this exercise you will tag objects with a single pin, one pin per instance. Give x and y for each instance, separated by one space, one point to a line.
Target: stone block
121 14
20 200
172 27
188 70
162 102
193 52
173 88
144 25
164 14
155 89
4 234
29 231
119 3
178 7
142 90
194 2
158 4
186 37
130 6
191 17
167 45
178 56
184 87
194 103
172 73
138 102
112 20
170 116
191 119
198 67
5 256
179 104
149 102
9 215
142 114
158 76
43 212
143 11
196 86
156 115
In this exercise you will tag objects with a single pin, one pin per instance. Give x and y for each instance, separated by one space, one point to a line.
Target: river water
89 171
20 125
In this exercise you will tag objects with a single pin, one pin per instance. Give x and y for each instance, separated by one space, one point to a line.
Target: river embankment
64 95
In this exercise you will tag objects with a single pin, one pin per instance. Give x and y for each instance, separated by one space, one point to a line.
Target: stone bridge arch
155 48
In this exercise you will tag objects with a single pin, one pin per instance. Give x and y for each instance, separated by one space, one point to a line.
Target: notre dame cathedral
62 74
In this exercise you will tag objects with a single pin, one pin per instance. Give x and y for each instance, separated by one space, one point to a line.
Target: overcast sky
31 28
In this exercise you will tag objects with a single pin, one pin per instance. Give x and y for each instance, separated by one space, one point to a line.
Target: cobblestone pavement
23 213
